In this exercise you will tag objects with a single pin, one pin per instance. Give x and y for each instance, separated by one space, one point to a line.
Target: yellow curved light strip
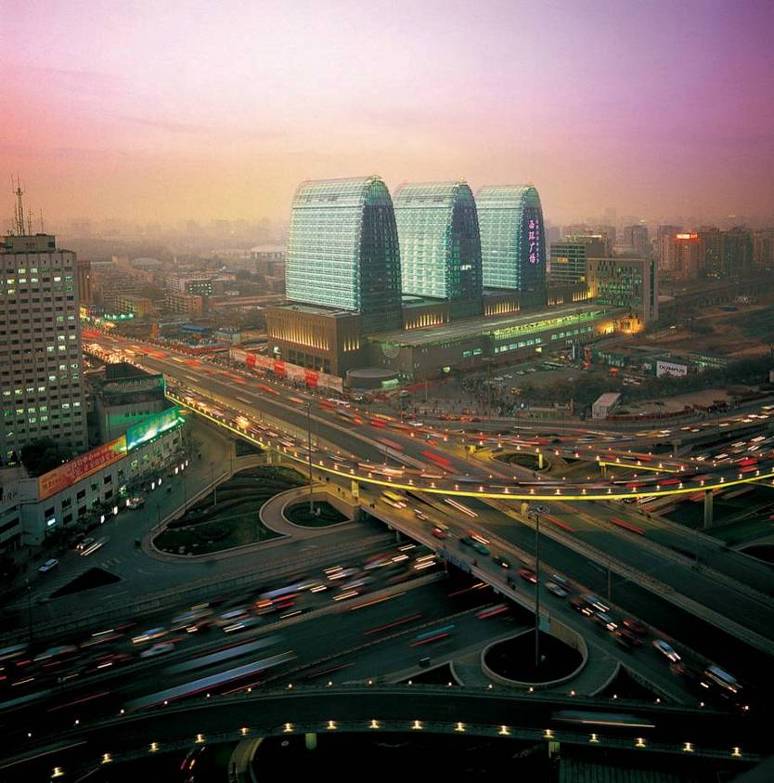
550 493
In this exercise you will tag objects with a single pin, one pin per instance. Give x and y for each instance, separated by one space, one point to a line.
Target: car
635 626
503 562
628 637
243 623
666 650
479 547
596 603
440 532
157 649
556 589
84 543
606 621
528 575
581 606
149 635
48 565
135 502
232 616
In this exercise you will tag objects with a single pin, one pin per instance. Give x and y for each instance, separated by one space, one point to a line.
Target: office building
92 487
568 263
513 244
179 302
41 384
135 304
124 396
343 251
629 284
602 236
440 246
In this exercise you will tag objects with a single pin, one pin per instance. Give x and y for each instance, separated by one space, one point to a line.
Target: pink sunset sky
171 110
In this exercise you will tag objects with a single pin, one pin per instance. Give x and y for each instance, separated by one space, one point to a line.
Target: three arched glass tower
351 248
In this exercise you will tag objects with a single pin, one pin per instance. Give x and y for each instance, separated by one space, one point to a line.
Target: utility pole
309 453
534 514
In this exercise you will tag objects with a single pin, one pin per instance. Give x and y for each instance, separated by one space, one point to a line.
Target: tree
43 455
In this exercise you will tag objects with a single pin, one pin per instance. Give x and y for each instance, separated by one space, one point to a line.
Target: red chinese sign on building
79 468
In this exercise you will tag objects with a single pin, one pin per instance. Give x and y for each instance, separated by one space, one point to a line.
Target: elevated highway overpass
654 729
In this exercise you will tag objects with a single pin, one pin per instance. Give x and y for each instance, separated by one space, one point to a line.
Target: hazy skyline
149 111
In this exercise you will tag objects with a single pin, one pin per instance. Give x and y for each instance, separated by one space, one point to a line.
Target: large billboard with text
283 369
81 467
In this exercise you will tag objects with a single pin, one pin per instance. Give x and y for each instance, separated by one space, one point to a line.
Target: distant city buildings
41 382
636 240
707 252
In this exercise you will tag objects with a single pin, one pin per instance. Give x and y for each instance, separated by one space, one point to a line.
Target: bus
393 499
723 680
438 460
460 507
434 635
235 651
212 681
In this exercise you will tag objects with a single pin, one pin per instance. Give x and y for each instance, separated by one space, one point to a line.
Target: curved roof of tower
508 196
424 193
346 192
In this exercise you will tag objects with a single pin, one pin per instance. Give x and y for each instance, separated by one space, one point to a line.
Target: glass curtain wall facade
343 250
513 245
440 245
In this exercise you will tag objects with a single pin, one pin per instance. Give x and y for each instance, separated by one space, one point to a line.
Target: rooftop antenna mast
42 229
19 209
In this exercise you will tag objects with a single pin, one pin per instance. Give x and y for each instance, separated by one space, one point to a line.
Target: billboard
81 467
152 426
282 369
671 368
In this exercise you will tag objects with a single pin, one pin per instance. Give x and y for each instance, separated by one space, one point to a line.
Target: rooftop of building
480 325
124 370
308 309
29 243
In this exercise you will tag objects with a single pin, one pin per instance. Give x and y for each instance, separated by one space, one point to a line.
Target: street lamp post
534 514
309 453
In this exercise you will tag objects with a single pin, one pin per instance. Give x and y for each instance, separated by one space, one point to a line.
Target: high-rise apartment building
737 252
343 251
513 243
83 273
41 384
681 256
664 236
440 245
763 249
710 251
